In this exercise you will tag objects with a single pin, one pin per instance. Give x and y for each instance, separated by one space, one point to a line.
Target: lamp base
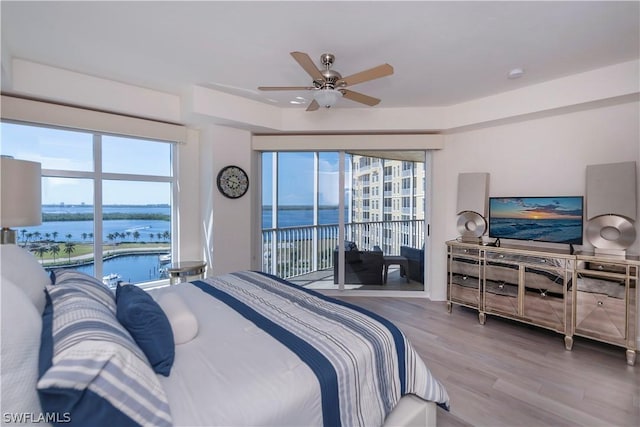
7 236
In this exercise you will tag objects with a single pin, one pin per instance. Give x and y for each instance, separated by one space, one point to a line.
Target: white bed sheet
269 385
235 373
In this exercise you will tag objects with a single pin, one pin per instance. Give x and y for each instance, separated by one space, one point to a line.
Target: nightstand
181 271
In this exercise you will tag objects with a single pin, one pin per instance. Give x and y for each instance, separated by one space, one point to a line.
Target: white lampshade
327 97
20 195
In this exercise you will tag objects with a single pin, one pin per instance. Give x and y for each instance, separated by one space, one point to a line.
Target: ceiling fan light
327 97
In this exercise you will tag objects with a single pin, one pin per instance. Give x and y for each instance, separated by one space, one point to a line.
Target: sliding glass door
383 219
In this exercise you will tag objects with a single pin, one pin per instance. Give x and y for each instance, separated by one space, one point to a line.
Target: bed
244 348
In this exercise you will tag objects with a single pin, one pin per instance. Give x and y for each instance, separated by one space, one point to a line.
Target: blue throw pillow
149 326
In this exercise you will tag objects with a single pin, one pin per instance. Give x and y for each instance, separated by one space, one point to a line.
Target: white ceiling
443 53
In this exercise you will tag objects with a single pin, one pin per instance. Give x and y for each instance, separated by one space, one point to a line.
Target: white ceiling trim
347 142
26 110
203 106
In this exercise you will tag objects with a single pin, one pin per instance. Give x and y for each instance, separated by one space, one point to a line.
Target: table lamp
20 196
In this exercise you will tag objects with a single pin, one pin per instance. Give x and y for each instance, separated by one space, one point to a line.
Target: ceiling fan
329 85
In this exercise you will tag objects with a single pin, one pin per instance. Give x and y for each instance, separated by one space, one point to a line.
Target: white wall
537 157
225 227
190 244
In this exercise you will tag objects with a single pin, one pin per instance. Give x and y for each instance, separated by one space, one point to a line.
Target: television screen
541 219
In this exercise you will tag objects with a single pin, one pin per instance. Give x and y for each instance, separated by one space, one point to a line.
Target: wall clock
233 182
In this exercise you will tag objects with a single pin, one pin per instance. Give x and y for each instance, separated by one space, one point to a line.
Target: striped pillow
91 370
87 284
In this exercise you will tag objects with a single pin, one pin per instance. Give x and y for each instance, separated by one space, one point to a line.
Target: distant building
388 194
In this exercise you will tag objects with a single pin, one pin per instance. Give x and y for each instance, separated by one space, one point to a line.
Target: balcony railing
293 251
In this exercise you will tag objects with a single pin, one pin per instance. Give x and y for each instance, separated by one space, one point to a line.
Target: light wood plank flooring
510 374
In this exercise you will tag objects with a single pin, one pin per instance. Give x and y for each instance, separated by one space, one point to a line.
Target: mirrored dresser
582 294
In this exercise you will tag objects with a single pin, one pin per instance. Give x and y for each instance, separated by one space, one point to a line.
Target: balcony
291 252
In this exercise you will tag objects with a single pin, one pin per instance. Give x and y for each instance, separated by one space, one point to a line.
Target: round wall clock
233 182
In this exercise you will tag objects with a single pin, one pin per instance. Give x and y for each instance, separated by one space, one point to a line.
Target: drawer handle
501 286
501 256
543 294
464 277
600 303
466 251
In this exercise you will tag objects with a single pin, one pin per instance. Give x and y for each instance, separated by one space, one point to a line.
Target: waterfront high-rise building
389 196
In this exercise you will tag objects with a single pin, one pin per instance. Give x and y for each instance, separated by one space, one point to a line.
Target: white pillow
21 329
23 269
183 322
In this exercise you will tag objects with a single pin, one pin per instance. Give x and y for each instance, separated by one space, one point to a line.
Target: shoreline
82 260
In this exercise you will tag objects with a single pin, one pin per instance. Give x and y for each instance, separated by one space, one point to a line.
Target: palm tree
47 236
84 236
136 235
159 236
55 250
55 235
166 235
29 236
41 250
36 235
151 236
23 232
128 235
68 236
111 236
91 236
69 248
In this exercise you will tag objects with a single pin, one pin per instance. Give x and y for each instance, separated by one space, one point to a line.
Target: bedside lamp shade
20 196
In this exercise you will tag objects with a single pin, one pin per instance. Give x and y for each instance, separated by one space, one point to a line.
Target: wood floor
509 374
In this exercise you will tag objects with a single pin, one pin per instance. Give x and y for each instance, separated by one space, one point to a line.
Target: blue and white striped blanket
363 363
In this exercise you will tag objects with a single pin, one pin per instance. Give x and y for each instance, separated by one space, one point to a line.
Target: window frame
98 177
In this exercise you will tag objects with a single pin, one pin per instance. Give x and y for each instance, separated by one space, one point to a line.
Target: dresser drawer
455 250
502 273
606 267
466 267
601 316
462 294
526 259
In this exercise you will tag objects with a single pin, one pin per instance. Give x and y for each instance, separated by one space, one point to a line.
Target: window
106 201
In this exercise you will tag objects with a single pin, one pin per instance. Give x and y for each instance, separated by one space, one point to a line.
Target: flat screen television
540 219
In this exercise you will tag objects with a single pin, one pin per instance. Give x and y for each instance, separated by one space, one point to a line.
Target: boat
111 280
165 259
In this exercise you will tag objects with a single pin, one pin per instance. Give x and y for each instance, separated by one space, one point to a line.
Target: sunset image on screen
547 219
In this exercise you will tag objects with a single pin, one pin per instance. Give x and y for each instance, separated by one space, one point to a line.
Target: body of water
148 229
130 268
291 216
143 268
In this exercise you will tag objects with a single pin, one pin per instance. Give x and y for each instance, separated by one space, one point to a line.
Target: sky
70 150
73 150
536 207
295 178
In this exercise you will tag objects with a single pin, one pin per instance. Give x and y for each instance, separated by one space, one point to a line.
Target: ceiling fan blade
305 62
285 87
360 97
370 74
313 106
